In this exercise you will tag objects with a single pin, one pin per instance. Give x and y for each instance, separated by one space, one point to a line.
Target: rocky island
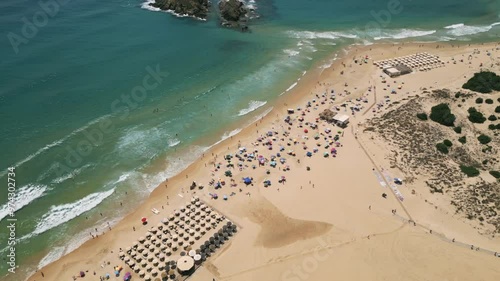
233 14
193 8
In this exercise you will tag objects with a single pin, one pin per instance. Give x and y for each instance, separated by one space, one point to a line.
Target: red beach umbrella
144 220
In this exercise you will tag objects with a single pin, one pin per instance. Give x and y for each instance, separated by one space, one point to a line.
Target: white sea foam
453 26
60 214
402 34
227 135
24 196
173 142
320 35
55 254
71 175
252 106
74 243
291 87
175 165
204 93
147 6
55 143
464 30
290 52
144 143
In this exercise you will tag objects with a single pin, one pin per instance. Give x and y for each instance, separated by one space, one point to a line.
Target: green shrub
441 114
447 143
491 126
496 174
486 149
458 129
484 139
469 171
492 118
462 140
488 101
422 116
483 82
475 116
498 100
497 109
441 147
479 100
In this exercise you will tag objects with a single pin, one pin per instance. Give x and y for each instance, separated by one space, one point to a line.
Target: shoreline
195 170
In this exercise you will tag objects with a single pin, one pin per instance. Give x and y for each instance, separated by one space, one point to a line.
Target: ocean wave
70 175
24 196
291 87
60 214
204 93
55 143
173 142
453 26
143 143
74 243
461 29
290 52
402 34
174 167
227 135
55 254
252 106
320 35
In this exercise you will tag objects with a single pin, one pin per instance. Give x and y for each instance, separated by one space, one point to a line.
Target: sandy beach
328 215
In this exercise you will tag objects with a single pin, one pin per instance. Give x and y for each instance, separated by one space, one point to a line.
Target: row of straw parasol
180 230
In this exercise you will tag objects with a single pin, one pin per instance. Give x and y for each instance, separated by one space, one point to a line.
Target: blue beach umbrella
247 180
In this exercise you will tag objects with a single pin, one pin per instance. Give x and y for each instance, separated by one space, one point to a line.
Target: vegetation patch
422 116
441 147
483 82
496 174
479 100
475 116
489 101
469 171
462 140
492 118
484 139
448 143
458 129
441 114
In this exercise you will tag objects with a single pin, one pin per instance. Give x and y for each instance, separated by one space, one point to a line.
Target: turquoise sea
99 98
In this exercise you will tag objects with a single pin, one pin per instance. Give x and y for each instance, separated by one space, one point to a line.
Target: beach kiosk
185 265
341 120
397 70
